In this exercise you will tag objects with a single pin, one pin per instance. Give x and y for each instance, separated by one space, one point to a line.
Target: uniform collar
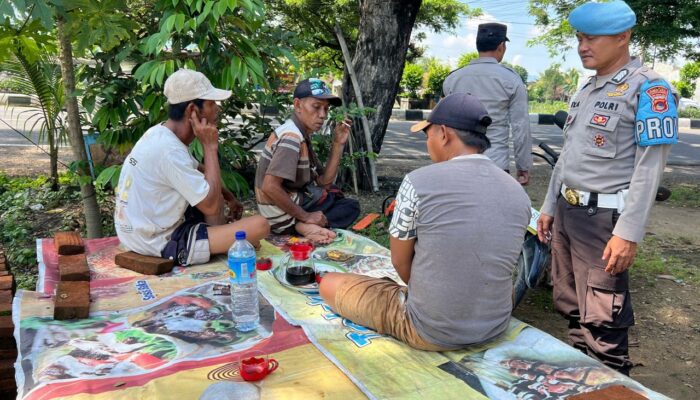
473 156
484 60
618 76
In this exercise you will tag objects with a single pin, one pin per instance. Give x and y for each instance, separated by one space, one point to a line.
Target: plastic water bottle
244 284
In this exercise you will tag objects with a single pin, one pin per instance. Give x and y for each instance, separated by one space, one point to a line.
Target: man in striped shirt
293 191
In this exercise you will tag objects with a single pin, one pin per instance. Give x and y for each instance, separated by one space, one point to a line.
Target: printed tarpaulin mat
159 337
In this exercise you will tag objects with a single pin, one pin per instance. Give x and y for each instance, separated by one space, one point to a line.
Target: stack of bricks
8 346
72 300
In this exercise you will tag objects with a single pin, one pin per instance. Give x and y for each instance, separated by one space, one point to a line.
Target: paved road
400 143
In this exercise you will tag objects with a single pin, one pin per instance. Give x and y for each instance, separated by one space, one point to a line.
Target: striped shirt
286 155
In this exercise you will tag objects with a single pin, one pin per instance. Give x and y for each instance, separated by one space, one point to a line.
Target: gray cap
458 111
492 33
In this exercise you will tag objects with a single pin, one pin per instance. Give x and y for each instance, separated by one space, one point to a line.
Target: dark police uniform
617 139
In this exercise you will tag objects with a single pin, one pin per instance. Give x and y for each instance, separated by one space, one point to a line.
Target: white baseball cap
187 85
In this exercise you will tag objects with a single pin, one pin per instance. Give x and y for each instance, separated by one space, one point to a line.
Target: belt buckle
571 196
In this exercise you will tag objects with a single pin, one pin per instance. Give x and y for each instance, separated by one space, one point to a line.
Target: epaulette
511 70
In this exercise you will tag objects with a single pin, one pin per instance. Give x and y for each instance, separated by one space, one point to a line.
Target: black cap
458 111
316 88
492 33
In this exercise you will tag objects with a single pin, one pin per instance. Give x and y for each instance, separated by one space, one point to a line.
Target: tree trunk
93 220
380 54
53 154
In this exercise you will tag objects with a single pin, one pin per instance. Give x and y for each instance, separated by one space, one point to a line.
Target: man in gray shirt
503 93
618 134
456 234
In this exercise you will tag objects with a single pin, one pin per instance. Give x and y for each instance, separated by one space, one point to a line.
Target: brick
4 273
7 369
9 354
146 265
7 282
7 328
68 243
6 296
8 388
73 268
617 392
7 343
72 300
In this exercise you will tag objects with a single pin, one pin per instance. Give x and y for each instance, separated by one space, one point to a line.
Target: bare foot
315 233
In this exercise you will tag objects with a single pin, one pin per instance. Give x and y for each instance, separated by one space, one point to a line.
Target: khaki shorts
379 304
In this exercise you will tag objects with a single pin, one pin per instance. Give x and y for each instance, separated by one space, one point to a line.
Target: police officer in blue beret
621 125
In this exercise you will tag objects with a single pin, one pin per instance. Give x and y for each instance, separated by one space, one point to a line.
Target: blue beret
602 18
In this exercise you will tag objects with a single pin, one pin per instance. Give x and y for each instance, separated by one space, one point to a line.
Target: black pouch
312 195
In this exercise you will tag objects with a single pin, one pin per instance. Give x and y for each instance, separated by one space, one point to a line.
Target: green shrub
412 79
436 77
689 113
10 85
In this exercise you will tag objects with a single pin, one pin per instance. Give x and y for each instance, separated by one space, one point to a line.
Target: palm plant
36 72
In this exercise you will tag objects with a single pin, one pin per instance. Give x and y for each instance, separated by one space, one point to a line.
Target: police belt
580 198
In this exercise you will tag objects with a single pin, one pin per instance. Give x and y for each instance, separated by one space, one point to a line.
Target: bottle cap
240 235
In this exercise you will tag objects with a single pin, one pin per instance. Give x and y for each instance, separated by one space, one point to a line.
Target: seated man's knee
258 226
329 286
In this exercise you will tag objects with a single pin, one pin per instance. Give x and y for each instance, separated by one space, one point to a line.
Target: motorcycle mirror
560 118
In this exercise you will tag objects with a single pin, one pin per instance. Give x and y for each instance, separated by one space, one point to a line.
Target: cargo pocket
601 135
607 302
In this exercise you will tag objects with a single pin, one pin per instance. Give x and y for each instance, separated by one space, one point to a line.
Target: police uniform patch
599 140
656 121
606 106
600 119
659 98
619 90
620 76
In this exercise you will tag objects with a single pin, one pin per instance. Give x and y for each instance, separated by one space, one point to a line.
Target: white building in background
673 73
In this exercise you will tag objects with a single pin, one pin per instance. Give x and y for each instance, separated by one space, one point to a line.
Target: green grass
378 231
540 298
653 260
549 107
685 195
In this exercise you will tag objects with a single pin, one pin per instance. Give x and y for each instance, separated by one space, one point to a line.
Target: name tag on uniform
657 118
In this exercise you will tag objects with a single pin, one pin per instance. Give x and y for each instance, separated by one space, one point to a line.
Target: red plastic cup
254 367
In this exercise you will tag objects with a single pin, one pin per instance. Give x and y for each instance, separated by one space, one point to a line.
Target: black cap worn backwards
492 33
316 88
458 111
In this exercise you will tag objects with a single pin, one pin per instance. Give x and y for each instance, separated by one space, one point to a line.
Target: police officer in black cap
503 93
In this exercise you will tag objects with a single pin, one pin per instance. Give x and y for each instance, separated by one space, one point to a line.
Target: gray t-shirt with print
468 217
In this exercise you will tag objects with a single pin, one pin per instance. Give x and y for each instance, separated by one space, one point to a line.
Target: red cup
300 251
256 367
263 264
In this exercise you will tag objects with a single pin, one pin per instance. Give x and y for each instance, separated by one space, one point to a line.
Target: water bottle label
241 271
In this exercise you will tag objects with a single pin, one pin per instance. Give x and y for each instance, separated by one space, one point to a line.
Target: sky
448 47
